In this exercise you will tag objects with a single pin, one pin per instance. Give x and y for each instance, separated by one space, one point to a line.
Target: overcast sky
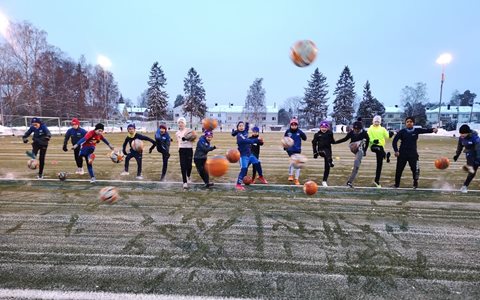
230 43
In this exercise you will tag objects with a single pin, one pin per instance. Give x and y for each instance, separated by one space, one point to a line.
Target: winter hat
183 120
357 125
75 121
132 125
36 120
377 118
99 126
208 133
464 129
293 121
163 126
324 124
256 129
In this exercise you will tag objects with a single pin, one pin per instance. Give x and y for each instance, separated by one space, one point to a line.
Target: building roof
136 109
393 110
455 109
236 109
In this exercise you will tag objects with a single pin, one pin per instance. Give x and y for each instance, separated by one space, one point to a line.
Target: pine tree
345 96
157 97
254 109
194 100
369 106
315 99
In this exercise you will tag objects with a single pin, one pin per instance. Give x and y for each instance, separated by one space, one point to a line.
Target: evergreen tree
414 100
195 103
315 99
467 98
283 117
254 109
178 101
157 97
369 106
345 97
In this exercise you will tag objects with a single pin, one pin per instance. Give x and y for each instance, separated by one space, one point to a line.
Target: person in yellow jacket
377 136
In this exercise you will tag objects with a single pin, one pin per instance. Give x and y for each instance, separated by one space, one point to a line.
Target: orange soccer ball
217 166
209 124
233 155
247 180
310 187
303 53
442 163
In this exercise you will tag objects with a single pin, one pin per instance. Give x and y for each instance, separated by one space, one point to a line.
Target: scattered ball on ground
310 187
108 194
247 180
62 176
233 155
217 166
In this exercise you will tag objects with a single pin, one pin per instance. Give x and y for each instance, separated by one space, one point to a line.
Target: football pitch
270 241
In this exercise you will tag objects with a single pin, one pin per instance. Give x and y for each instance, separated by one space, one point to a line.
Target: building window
273 118
229 118
176 115
211 115
390 116
264 118
219 115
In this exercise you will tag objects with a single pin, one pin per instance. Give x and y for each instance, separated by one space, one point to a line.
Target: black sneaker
388 157
331 165
208 185
350 185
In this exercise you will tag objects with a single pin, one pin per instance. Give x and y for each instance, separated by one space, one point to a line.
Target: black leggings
43 151
200 164
380 153
78 158
186 156
138 158
165 157
414 166
327 157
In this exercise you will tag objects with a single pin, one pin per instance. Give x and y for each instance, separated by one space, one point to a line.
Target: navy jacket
245 143
41 136
163 141
322 141
409 138
297 136
75 134
203 147
471 143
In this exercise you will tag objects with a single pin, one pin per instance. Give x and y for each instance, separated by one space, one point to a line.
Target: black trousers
138 158
165 157
380 154
414 166
327 157
43 152
200 164
470 176
186 156
78 158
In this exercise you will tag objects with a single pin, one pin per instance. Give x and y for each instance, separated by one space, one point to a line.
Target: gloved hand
65 148
375 142
214 147
151 149
455 157
183 139
25 140
391 133
315 155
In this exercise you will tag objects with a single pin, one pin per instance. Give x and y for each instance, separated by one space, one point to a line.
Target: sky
391 44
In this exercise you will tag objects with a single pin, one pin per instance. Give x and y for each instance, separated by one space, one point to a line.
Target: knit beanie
36 120
75 121
99 126
377 119
464 129
132 125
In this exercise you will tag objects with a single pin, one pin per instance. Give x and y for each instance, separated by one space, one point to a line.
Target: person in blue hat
41 137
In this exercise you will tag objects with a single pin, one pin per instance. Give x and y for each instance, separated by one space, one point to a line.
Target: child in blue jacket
297 136
41 137
163 140
76 133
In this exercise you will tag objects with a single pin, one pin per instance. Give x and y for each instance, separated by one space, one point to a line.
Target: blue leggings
244 162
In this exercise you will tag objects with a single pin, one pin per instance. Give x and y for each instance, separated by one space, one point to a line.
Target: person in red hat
75 133
297 136
163 140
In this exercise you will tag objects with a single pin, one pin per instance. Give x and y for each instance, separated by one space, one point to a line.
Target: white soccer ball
108 194
299 161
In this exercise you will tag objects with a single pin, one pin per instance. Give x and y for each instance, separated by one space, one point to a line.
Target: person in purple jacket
76 133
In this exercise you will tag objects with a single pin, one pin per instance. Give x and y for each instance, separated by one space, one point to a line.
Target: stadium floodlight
4 24
443 59
104 62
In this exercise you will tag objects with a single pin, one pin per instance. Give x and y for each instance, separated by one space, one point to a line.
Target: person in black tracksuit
200 156
470 141
255 148
76 133
322 146
358 145
41 137
132 135
408 150
163 139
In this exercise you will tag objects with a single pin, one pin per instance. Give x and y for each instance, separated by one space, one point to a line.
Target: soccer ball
116 156
217 166
62 176
108 194
190 136
298 160
209 124
310 187
303 53
354 146
247 180
137 145
233 155
442 163
287 142
32 164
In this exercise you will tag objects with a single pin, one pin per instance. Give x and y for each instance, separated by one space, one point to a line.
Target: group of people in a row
360 140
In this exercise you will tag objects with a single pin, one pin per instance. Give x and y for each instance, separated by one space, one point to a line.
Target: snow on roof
454 109
393 110
236 109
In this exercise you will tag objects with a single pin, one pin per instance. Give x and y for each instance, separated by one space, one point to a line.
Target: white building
452 113
393 117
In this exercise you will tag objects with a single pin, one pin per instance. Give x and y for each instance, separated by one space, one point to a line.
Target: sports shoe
262 180
239 187
349 184
296 182
124 173
80 171
290 178
324 184
208 185
394 186
378 185
77 171
464 189
185 185
91 158
388 157
189 180
139 177
93 180
162 179
39 177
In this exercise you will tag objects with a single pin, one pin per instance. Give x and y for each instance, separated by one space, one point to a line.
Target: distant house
452 113
393 117
136 113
